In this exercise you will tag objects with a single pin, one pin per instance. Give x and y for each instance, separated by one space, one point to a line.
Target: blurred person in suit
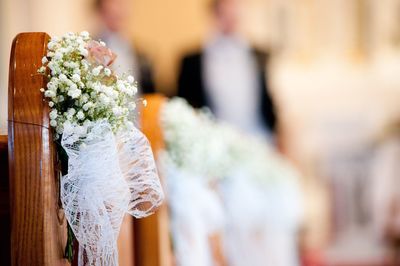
113 14
229 76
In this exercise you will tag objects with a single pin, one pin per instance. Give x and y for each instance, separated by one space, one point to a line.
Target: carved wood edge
38 228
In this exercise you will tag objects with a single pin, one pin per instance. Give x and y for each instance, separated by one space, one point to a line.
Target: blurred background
333 74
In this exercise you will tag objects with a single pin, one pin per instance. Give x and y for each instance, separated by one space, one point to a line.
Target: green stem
63 158
69 248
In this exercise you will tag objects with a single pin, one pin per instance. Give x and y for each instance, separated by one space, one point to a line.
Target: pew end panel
152 236
38 225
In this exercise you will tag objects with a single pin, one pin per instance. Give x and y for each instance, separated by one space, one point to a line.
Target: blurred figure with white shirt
229 76
113 14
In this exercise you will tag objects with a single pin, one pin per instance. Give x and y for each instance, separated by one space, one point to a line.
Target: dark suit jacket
146 82
191 86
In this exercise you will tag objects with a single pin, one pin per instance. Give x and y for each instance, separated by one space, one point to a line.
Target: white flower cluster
81 88
195 142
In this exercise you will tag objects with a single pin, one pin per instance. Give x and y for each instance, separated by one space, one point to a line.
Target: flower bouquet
196 142
111 170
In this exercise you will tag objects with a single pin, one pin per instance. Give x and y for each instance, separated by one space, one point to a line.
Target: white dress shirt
126 61
231 81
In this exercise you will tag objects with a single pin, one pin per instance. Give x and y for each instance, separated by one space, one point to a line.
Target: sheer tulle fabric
107 176
196 214
262 222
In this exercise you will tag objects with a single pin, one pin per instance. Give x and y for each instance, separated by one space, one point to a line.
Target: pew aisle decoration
196 142
111 170
220 180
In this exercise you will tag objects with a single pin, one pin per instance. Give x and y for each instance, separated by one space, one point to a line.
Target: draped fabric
196 215
108 175
259 223
262 222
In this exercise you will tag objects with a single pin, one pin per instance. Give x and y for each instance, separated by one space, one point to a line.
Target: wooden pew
38 225
152 237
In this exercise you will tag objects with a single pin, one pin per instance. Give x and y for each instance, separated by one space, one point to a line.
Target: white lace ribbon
108 175
196 214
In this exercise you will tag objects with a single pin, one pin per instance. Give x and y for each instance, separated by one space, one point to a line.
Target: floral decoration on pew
111 169
196 142
223 182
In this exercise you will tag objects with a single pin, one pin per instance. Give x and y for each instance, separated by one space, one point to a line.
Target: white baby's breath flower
80 41
49 93
121 85
87 105
73 87
132 106
129 91
80 115
51 45
58 56
130 79
71 111
74 94
76 78
63 77
53 123
42 89
51 104
42 69
96 87
73 65
84 34
44 60
134 89
51 86
59 130
84 52
96 70
53 114
85 98
104 99
117 111
85 64
114 94
107 72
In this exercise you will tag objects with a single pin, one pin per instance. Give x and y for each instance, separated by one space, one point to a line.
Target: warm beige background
16 16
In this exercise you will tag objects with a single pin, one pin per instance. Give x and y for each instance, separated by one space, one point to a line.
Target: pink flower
100 54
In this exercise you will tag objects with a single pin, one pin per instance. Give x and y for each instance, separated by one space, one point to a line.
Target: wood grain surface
152 237
38 226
